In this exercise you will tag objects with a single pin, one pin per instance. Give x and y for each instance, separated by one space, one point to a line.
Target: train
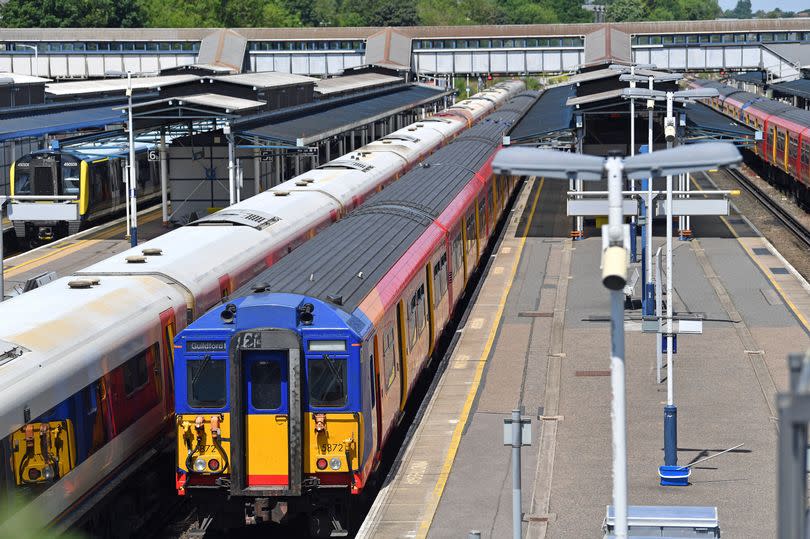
783 154
287 394
92 173
86 361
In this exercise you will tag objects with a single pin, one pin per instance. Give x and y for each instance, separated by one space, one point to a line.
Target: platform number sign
154 155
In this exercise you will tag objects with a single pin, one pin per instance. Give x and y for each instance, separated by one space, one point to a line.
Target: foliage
285 13
626 10
73 13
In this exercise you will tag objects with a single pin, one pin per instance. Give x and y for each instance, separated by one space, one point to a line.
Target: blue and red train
286 396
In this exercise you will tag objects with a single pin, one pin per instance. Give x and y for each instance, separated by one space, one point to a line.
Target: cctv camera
669 129
614 267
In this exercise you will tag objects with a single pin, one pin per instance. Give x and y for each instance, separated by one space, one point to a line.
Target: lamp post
670 410
3 200
36 57
525 161
133 177
130 180
646 243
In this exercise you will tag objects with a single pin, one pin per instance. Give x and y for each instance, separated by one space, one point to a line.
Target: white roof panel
265 79
22 79
353 82
115 85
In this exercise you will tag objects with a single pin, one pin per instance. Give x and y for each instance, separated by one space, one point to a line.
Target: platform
529 341
71 254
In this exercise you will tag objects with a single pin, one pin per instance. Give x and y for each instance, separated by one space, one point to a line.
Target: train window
780 141
470 230
805 153
327 382
265 385
389 356
458 257
793 148
439 279
136 371
205 383
22 181
70 177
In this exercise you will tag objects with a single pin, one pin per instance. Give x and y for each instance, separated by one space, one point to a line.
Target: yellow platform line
763 269
441 482
54 254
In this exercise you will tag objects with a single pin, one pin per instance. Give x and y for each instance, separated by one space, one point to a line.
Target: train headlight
334 463
199 465
48 473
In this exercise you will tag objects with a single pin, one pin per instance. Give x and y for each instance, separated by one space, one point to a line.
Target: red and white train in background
783 155
85 362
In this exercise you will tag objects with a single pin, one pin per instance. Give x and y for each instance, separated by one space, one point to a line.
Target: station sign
153 155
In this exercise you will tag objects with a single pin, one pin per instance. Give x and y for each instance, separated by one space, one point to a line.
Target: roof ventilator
10 351
152 251
239 217
337 300
260 287
135 259
80 283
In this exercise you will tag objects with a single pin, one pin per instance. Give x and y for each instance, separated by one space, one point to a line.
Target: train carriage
86 392
287 394
88 180
785 146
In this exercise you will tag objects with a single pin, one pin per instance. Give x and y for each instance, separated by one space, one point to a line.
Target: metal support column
257 168
231 165
164 177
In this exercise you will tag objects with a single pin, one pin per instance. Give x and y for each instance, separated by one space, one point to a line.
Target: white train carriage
84 377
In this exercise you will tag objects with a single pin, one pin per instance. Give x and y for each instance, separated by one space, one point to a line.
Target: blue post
670 435
633 230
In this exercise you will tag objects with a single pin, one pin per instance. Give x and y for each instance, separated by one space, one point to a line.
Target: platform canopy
318 124
548 118
62 121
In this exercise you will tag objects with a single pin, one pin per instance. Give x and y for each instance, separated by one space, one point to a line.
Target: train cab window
327 380
70 177
22 181
265 385
205 383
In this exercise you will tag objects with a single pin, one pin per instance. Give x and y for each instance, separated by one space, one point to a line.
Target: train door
431 315
168 330
265 413
375 392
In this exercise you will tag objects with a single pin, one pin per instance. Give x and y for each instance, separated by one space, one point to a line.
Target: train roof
372 239
762 103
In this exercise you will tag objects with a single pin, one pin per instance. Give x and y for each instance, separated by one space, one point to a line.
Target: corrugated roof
800 88
325 122
588 76
548 115
266 79
701 118
755 77
373 238
115 85
353 82
58 122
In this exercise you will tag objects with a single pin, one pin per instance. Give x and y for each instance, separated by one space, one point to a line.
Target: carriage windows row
43 451
738 37
499 43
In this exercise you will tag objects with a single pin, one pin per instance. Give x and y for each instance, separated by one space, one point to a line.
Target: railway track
801 232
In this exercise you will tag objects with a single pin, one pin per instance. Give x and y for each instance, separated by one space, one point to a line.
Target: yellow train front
58 191
271 421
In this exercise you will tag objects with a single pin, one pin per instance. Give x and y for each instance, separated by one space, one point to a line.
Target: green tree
72 14
742 10
695 10
394 13
570 11
626 10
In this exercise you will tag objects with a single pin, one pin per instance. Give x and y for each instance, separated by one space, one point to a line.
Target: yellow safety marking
54 254
763 268
465 411
72 246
